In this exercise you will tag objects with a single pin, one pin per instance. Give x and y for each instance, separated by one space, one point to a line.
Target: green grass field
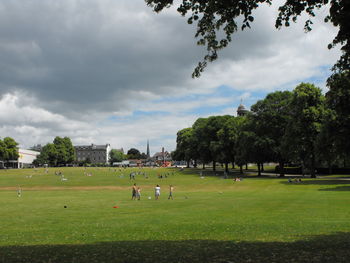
210 219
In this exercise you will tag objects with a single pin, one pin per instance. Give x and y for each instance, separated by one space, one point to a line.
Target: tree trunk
246 166
302 168
241 169
188 164
312 172
195 163
214 166
203 166
226 167
330 170
259 170
262 167
281 168
344 162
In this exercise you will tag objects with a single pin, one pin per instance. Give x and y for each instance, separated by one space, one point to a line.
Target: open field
210 219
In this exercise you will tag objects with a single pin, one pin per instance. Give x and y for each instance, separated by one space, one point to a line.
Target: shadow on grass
209 172
318 182
341 176
325 248
339 188
250 173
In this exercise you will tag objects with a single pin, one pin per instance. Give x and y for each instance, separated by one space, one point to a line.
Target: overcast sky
113 71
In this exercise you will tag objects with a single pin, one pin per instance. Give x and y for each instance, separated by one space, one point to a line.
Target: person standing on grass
171 189
133 193
19 191
138 193
157 192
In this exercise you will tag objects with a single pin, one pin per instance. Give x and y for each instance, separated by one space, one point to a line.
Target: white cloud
30 125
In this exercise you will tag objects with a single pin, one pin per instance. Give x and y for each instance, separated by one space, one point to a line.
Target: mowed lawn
211 219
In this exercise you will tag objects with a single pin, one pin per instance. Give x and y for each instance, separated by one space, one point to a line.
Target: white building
26 158
94 153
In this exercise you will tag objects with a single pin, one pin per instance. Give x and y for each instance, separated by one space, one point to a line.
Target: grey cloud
78 56
81 59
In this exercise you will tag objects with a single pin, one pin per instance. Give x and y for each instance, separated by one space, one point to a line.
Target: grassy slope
208 217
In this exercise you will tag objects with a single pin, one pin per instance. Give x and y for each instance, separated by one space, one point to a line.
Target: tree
307 112
252 145
325 144
116 156
60 152
8 149
200 136
205 131
48 155
3 151
222 18
143 156
270 119
134 154
338 101
186 149
65 150
70 151
11 149
228 137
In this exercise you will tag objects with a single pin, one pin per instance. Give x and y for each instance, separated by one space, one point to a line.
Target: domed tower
241 110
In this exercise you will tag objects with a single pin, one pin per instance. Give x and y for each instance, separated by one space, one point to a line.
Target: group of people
296 180
165 175
136 192
133 174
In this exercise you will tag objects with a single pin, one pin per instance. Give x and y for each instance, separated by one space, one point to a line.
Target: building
162 157
241 110
37 148
93 153
25 159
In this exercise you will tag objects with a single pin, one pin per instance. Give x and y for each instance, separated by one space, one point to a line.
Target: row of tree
60 152
118 156
8 149
303 127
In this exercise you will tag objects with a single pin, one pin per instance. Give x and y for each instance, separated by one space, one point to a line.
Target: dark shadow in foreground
318 182
325 248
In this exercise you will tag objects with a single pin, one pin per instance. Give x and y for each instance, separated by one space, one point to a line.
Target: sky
113 71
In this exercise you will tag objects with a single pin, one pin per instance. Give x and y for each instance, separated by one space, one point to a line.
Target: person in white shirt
157 192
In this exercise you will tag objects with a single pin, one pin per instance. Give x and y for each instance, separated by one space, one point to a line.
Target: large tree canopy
216 16
116 156
134 153
338 100
307 112
270 119
302 127
8 149
60 152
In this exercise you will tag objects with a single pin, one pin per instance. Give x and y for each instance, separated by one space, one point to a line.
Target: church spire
148 153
